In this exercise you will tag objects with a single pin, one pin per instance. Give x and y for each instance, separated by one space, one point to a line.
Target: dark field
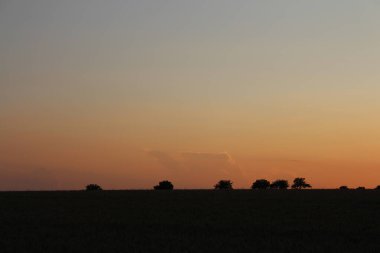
190 221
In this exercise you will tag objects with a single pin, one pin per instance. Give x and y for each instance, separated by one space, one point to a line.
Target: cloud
197 168
164 159
223 157
215 162
280 160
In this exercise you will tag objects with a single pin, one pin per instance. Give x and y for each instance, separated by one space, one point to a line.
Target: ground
191 221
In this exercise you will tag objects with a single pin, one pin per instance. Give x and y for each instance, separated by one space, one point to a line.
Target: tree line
263 184
260 184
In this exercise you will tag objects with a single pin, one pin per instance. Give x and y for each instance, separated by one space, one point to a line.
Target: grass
190 221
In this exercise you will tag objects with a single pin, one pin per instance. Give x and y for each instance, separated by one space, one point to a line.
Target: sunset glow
127 93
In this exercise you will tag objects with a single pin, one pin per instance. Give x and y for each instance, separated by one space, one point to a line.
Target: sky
127 93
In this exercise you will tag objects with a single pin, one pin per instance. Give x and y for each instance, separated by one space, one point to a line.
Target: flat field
191 221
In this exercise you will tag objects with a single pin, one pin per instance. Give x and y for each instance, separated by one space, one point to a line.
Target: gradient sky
127 93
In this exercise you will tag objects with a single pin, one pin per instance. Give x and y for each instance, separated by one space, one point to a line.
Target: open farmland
191 221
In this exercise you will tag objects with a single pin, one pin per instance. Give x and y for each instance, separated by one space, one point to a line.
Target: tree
360 188
343 187
377 187
224 185
93 187
260 184
300 183
280 184
164 185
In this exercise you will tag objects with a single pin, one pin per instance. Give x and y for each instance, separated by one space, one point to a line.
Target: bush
280 184
224 185
164 185
360 188
93 187
260 184
377 187
343 187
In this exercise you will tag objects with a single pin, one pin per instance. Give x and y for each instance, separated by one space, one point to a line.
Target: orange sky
125 94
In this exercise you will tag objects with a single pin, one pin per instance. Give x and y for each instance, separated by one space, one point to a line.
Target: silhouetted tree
377 187
164 185
93 187
280 184
300 183
343 187
260 184
224 185
360 188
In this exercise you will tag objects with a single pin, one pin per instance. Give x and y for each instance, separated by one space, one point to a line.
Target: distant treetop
224 185
280 184
93 187
164 185
260 184
300 183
